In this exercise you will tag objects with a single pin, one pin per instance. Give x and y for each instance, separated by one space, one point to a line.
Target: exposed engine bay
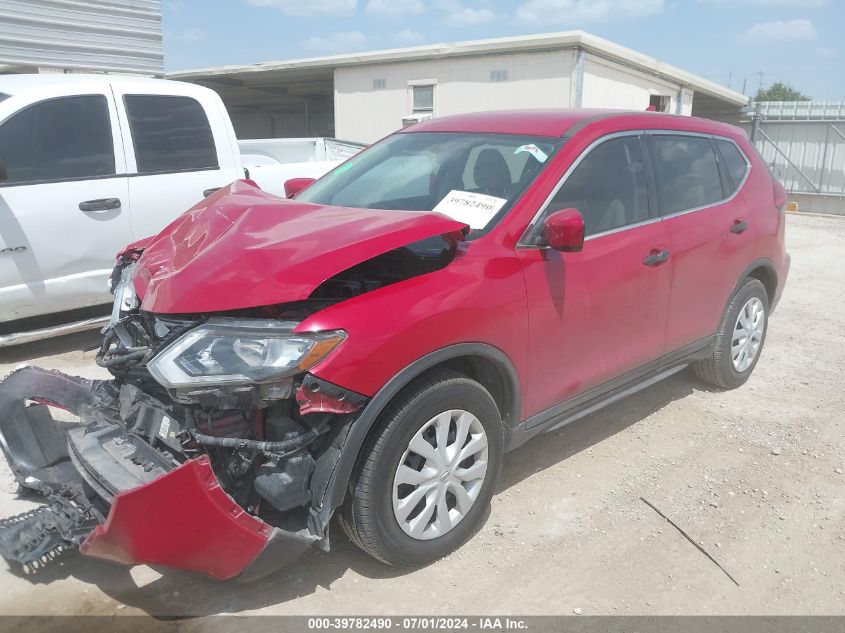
213 416
263 440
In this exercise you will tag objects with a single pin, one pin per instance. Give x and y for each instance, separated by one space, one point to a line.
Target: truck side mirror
294 185
564 231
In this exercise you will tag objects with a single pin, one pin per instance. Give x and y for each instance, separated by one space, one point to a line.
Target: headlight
125 299
239 352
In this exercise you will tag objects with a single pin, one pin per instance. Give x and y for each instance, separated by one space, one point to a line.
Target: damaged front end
212 447
210 450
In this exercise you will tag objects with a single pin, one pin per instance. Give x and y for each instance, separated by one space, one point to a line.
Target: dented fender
367 417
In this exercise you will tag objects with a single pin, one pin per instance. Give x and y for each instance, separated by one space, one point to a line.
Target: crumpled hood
244 248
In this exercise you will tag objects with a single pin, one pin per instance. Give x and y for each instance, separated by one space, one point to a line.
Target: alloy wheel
440 474
748 334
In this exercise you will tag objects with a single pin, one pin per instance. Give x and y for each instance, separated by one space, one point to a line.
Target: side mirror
564 231
295 185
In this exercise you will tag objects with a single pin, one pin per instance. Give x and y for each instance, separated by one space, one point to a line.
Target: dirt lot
754 475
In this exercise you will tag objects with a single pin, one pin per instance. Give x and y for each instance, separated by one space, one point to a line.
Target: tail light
780 195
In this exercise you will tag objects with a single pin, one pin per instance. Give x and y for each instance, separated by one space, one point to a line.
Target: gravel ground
753 475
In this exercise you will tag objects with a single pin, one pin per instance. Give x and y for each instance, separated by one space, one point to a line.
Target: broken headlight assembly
123 289
225 352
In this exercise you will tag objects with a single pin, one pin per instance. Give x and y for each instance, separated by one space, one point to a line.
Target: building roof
523 43
84 35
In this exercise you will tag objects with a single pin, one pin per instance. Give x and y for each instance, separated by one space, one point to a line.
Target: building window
379 84
659 103
498 75
423 99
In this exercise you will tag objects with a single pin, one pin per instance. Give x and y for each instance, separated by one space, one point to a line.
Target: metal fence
804 144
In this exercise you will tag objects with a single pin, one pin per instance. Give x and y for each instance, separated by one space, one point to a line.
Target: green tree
780 91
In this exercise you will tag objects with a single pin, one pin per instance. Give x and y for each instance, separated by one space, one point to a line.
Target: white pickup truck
90 163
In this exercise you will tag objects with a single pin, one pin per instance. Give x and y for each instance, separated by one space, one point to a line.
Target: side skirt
603 395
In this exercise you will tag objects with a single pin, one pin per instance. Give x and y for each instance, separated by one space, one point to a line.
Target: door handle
102 204
655 258
739 226
208 192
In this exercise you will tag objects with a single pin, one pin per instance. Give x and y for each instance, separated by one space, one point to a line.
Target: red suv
375 344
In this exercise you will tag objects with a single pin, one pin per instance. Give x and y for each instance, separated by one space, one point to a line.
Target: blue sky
728 41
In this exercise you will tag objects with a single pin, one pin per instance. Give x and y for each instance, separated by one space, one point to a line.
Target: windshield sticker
535 151
476 209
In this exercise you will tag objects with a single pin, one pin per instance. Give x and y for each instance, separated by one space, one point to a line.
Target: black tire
367 515
718 369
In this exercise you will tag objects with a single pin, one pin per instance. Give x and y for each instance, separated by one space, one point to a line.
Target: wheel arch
484 363
764 271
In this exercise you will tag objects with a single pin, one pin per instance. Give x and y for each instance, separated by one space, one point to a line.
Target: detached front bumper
115 497
185 520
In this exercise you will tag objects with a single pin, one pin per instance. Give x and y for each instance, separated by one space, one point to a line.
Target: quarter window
687 173
59 139
170 134
608 187
734 161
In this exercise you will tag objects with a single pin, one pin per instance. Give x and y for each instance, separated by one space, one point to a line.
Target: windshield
471 177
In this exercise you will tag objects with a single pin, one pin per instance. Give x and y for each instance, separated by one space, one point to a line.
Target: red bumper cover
185 520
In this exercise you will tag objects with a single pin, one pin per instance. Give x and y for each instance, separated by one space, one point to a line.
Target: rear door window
170 134
734 161
68 138
687 173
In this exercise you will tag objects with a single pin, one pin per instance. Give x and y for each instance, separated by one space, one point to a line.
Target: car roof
565 122
15 84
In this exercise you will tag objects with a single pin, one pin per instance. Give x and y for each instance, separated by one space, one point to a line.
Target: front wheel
739 340
427 473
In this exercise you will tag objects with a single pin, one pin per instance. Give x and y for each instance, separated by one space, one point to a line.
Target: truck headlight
239 352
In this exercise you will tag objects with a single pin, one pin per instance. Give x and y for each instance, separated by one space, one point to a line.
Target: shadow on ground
81 341
178 594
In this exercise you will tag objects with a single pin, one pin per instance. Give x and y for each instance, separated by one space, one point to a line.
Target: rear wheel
739 340
427 473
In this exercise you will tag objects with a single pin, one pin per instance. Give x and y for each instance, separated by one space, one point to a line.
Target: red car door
711 232
599 313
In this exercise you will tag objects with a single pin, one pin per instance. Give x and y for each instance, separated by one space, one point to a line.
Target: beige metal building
68 36
363 97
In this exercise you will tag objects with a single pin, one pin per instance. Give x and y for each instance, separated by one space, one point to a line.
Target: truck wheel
739 339
426 474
